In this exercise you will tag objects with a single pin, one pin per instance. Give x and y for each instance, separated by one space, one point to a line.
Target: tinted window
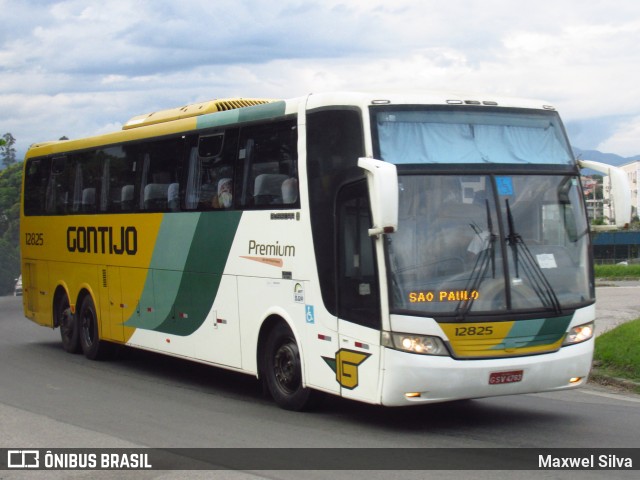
334 144
358 292
211 171
267 159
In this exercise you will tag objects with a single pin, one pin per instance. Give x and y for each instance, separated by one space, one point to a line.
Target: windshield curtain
474 244
478 136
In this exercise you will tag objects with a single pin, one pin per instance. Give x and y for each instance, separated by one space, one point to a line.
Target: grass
617 272
617 353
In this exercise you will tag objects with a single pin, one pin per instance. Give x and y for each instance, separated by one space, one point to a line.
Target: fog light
575 380
412 395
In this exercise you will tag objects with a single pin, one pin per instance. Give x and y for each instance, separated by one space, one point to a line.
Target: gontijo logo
345 364
103 240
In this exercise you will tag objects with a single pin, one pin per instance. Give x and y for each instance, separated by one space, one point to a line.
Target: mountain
610 158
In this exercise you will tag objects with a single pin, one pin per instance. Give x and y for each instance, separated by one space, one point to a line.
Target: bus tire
92 347
68 324
283 370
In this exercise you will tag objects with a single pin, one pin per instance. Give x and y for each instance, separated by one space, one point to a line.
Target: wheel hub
286 367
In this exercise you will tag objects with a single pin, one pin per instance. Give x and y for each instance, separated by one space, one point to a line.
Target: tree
7 149
9 266
10 185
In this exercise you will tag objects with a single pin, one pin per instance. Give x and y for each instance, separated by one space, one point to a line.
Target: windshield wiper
492 240
534 273
485 256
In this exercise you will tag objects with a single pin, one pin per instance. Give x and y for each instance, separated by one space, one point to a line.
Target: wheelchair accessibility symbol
309 314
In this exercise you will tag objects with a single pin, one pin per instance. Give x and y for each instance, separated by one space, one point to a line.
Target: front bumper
410 379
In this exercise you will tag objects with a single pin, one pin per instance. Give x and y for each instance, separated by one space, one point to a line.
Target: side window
358 291
59 191
117 191
35 185
113 179
210 171
87 176
160 164
267 160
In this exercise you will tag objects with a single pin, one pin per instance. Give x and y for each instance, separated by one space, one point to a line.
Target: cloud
626 139
76 66
590 133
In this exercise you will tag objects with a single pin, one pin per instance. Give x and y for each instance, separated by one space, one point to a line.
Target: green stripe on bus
552 330
534 333
205 264
198 246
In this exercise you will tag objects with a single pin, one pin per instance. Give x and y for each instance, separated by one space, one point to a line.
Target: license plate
498 378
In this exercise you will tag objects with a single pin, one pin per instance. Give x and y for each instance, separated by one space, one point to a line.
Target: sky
79 68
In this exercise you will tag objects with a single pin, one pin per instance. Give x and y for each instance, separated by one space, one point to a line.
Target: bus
391 249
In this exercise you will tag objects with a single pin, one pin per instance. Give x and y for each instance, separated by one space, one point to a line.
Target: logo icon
310 316
23 459
346 364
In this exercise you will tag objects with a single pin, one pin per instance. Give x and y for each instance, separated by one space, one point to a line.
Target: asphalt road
51 399
616 303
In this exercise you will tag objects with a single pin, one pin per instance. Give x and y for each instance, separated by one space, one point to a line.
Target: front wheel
283 371
92 346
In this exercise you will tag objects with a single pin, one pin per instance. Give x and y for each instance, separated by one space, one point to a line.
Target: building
618 246
615 247
592 188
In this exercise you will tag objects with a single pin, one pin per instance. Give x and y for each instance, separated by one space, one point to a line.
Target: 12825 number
473 331
34 239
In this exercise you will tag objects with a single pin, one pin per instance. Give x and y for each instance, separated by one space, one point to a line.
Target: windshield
479 135
469 244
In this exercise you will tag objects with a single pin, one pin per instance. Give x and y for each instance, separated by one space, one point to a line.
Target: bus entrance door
357 361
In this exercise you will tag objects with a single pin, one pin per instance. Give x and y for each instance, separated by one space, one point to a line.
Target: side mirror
382 180
620 190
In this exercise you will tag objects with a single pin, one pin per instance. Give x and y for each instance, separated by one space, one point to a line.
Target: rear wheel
92 346
283 371
67 323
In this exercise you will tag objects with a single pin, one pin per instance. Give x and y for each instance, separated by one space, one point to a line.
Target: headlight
421 344
578 334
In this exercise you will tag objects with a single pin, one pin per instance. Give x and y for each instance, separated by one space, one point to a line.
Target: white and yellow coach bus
395 250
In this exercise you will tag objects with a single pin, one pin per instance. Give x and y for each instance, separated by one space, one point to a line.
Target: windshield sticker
547 260
505 186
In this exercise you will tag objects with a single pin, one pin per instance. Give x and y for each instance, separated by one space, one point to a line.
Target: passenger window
268 159
118 180
59 186
210 176
87 181
36 182
160 186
